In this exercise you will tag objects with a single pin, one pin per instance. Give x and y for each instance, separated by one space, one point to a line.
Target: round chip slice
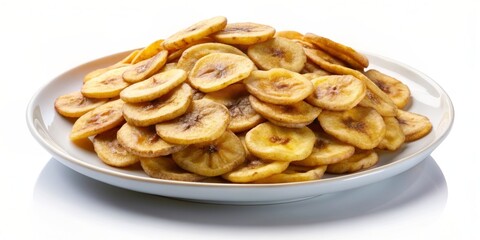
166 168
337 92
278 53
235 98
216 71
195 32
394 136
413 125
167 107
295 174
191 55
144 141
245 33
100 119
278 86
145 68
298 114
254 169
154 87
74 104
358 161
326 150
111 152
361 127
212 158
271 142
395 89
204 121
106 85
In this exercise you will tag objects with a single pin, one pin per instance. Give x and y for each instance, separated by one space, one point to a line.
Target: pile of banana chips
242 103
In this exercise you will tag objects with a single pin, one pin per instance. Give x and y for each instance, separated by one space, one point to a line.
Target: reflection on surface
60 189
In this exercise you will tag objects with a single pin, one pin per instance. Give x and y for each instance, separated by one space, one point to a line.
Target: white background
42 199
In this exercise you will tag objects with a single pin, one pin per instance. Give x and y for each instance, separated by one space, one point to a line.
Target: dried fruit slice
347 54
337 92
149 51
244 33
290 34
235 98
254 169
326 150
395 89
360 160
298 114
74 104
360 126
191 55
195 32
144 141
153 87
394 136
278 86
145 68
106 85
166 168
216 71
374 97
295 174
167 107
100 119
212 158
278 53
111 152
97 72
413 125
204 121
271 142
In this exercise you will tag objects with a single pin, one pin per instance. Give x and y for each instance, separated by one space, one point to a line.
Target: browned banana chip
216 71
362 159
191 55
100 119
360 126
326 150
278 53
317 53
395 89
175 55
295 173
204 121
298 114
106 85
347 54
374 97
290 34
212 158
254 169
146 68
337 92
235 98
275 143
195 32
148 52
167 107
278 86
74 104
394 136
111 152
166 168
153 87
144 141
245 33
413 125
100 71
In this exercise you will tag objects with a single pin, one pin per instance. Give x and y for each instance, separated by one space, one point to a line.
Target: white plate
51 131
